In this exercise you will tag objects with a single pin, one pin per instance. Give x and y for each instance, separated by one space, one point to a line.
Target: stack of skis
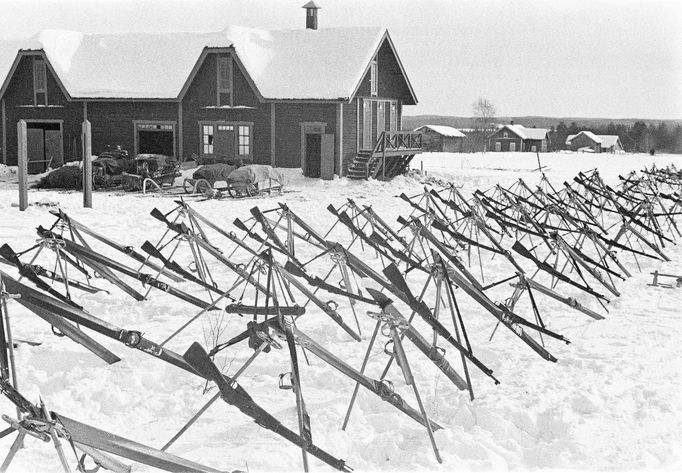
415 281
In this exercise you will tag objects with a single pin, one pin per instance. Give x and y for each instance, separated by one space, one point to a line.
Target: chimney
512 122
311 15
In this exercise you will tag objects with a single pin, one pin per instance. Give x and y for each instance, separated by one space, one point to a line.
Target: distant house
439 138
586 140
308 98
519 138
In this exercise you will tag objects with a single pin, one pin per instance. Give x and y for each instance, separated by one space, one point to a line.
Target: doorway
313 154
155 138
44 146
155 142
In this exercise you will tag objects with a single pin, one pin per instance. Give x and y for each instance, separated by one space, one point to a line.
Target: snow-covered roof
444 130
528 133
284 64
608 141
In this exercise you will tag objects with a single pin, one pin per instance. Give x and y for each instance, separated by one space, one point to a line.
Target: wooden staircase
390 157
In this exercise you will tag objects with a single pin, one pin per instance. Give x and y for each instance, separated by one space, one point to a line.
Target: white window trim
236 126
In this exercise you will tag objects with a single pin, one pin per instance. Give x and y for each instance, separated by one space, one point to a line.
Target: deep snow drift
611 402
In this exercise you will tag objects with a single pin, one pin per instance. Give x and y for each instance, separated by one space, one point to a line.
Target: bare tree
484 123
484 114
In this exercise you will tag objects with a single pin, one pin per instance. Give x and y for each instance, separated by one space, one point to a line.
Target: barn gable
202 84
19 82
392 78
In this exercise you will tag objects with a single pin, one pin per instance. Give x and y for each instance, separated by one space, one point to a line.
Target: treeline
639 137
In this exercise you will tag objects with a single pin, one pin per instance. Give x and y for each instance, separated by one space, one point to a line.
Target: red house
329 101
519 138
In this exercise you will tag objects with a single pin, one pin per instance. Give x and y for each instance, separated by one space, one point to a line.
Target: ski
235 395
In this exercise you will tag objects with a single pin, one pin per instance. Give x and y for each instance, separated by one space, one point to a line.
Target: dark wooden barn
329 101
440 138
519 138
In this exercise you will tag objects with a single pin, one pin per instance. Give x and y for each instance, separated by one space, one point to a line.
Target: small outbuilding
440 138
588 141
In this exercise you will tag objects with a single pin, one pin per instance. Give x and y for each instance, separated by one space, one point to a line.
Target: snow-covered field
612 401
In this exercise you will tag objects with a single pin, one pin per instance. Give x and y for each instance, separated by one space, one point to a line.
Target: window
153 126
498 146
207 139
39 82
244 140
505 135
512 146
534 149
374 78
224 81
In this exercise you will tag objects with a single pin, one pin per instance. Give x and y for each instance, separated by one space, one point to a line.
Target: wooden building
440 138
588 141
316 99
519 138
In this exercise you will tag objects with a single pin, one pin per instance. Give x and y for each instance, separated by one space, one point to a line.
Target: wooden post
22 164
87 164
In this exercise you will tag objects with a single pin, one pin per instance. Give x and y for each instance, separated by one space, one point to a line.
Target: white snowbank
611 402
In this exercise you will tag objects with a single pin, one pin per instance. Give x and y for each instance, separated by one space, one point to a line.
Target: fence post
22 164
87 164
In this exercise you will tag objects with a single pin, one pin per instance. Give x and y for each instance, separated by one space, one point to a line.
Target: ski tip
157 214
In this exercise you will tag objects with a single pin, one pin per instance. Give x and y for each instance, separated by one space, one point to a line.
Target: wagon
203 180
254 179
155 170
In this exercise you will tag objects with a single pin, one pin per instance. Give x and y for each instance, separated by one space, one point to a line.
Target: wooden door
381 119
367 143
54 148
327 157
223 144
36 150
313 154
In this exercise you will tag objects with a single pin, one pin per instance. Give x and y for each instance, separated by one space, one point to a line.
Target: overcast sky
616 59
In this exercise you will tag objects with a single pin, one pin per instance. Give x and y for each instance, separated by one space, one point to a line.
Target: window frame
39 66
227 62
374 78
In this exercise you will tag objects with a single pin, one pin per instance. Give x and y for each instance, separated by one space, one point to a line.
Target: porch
390 156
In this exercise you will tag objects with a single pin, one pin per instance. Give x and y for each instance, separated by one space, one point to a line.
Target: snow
444 130
610 403
606 141
528 133
284 64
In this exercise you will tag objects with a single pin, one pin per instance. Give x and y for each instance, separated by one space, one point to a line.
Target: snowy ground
611 402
